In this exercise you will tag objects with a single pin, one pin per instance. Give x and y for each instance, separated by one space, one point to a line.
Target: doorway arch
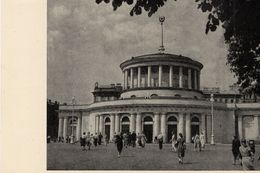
172 122
148 128
107 127
125 124
195 126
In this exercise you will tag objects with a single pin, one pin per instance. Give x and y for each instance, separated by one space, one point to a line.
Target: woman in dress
202 140
173 140
119 143
143 140
181 148
83 141
247 156
160 141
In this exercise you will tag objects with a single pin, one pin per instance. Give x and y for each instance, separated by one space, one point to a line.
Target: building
161 93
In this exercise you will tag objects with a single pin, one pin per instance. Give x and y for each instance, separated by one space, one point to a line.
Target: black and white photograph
153 85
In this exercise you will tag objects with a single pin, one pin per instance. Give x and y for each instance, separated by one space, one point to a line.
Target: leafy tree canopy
241 22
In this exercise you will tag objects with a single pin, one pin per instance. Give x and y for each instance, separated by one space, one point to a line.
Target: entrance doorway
172 127
148 129
107 127
125 127
195 126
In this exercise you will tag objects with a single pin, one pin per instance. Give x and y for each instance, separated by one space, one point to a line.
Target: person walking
88 140
247 156
95 139
125 139
100 138
83 141
133 138
173 141
160 140
143 140
235 149
119 143
106 139
181 146
202 140
197 144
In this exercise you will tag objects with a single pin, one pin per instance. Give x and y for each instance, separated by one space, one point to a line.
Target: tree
240 20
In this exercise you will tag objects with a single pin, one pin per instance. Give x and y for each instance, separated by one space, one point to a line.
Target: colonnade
160 123
185 77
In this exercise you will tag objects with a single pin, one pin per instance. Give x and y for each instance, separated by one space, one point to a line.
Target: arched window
125 119
172 119
107 120
147 119
154 95
195 119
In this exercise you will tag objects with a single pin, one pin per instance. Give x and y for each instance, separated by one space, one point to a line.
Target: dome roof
160 57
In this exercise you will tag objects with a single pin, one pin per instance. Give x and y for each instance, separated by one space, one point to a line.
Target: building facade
161 93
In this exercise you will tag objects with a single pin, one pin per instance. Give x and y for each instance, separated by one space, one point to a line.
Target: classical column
138 123
256 125
126 79
65 127
195 80
160 75
101 124
79 128
132 123
198 84
180 123
117 123
240 127
149 76
163 126
97 124
156 124
139 77
170 76
189 78
188 128
203 123
131 77
180 77
112 126
60 127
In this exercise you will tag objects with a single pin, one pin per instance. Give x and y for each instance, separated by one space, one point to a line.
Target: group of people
244 151
129 139
199 141
90 139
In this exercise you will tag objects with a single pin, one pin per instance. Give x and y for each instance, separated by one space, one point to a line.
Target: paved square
61 156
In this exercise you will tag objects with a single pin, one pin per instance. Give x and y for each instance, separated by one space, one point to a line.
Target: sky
86 42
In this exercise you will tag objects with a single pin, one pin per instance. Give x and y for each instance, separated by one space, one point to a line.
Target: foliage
241 22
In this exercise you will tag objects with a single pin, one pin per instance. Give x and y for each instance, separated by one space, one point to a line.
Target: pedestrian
100 138
197 144
88 140
133 138
143 140
119 143
173 141
83 141
106 139
181 146
139 142
235 149
125 139
247 156
160 140
95 139
202 140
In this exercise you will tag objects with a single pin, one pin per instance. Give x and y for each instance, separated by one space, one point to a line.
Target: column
160 75
138 123
240 127
65 127
117 123
79 128
163 126
188 128
198 84
126 79
112 126
101 124
180 77
97 124
132 123
60 127
156 125
170 76
180 123
209 128
195 80
256 125
131 77
203 123
149 76
189 78
139 77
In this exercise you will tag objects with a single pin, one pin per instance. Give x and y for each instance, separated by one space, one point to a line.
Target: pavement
62 156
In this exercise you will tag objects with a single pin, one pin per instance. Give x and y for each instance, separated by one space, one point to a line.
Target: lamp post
161 19
212 119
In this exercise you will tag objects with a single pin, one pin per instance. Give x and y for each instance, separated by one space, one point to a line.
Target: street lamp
212 120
